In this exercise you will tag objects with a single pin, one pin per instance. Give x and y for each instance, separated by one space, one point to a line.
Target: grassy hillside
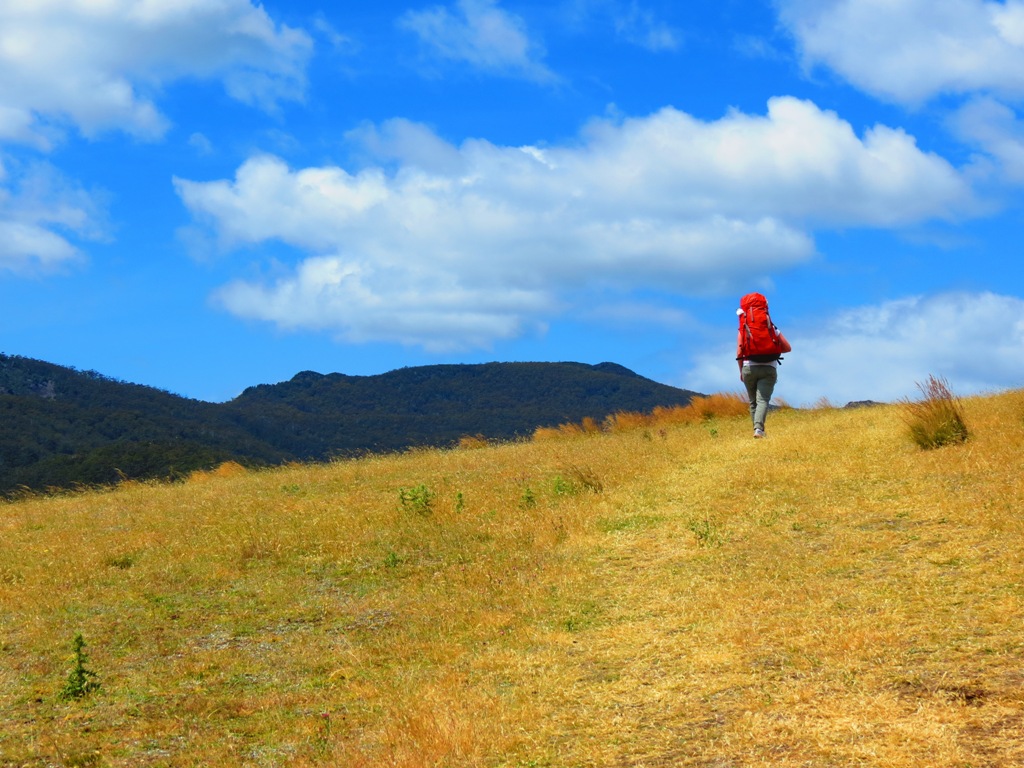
678 595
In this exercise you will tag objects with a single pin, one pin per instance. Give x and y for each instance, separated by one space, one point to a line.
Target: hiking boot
758 434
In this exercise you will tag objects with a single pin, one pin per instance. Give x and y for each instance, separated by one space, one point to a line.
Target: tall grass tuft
625 421
472 442
546 433
937 419
721 404
700 409
225 469
588 426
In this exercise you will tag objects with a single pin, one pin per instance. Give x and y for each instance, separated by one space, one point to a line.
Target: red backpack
759 338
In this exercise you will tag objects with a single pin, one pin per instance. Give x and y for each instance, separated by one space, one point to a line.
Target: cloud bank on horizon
897 126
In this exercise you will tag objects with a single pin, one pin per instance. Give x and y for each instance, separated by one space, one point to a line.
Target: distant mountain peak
307 376
615 368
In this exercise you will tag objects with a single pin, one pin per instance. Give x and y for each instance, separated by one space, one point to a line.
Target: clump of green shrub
81 681
419 499
707 532
937 419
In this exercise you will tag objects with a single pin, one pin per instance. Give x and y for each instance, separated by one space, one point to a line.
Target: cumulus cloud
99 66
41 214
480 33
419 306
882 352
456 246
912 51
909 51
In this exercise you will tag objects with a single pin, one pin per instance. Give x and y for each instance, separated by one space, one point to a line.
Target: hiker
759 347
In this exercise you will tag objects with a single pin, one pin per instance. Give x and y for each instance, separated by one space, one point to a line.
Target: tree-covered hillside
60 427
314 415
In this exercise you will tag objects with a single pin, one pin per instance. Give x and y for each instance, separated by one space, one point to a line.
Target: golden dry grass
681 596
702 408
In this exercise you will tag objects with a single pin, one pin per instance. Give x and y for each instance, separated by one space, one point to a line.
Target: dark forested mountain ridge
437 404
60 427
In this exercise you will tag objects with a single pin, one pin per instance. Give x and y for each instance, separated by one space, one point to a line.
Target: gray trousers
760 382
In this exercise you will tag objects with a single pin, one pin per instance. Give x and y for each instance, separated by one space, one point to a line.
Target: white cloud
481 34
200 144
632 22
100 65
29 248
640 26
336 39
798 162
415 305
408 144
996 130
909 51
448 237
974 340
41 212
754 47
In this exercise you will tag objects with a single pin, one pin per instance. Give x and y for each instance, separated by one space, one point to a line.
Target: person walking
759 347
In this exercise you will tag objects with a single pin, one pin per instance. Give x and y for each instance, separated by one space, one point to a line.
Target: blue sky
206 195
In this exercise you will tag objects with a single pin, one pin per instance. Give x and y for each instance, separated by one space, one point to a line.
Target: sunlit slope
667 596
